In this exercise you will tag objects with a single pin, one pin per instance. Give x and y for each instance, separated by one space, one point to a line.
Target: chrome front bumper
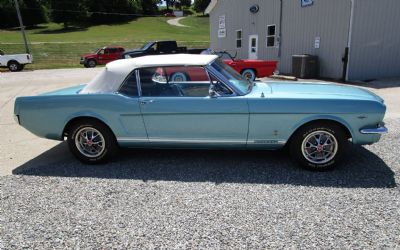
381 129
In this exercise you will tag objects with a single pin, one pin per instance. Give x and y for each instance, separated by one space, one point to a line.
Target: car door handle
144 102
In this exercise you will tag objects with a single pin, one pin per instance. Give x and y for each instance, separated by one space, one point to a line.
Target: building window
238 38
271 35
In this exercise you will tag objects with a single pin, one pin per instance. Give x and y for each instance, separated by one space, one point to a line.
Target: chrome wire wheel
90 142
319 147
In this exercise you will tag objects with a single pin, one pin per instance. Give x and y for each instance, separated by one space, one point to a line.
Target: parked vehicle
102 56
250 69
160 47
15 62
169 14
142 105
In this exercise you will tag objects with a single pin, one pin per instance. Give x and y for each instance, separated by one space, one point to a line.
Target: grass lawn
54 47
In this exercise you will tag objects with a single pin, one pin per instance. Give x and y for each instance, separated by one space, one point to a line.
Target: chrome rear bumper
379 130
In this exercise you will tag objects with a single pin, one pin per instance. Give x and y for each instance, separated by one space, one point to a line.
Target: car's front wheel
91 63
319 146
91 142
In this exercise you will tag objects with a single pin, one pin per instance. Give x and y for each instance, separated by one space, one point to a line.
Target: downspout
280 29
349 39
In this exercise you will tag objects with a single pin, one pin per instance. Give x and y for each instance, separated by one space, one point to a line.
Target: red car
251 69
169 14
102 56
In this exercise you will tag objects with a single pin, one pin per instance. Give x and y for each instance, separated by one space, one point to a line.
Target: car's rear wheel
249 74
14 66
91 141
319 146
91 63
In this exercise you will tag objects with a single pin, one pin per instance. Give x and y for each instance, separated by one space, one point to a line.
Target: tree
32 13
149 7
169 3
186 3
201 5
101 11
68 12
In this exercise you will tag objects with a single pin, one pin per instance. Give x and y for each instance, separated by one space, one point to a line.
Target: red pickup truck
102 56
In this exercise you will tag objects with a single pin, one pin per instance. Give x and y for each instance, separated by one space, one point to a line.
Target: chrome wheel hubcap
248 76
90 142
319 147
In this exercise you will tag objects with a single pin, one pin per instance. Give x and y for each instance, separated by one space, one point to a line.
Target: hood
134 51
313 91
89 55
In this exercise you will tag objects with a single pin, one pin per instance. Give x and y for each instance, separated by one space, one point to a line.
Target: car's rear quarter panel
47 116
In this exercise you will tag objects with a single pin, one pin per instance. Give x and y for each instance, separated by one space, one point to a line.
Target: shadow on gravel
361 170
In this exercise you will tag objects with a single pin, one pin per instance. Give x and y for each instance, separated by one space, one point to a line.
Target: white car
14 62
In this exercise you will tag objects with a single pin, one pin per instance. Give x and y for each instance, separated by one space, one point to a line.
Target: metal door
253 47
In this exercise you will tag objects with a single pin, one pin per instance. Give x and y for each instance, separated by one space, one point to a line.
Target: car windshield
147 46
233 77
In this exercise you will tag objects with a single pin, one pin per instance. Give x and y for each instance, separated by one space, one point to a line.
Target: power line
94 12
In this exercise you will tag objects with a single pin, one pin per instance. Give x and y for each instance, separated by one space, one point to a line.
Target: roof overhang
211 6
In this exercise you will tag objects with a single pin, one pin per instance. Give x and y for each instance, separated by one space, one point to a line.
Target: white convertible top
110 79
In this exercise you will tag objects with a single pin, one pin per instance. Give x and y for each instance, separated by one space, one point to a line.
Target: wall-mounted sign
221 22
317 42
221 33
254 9
305 3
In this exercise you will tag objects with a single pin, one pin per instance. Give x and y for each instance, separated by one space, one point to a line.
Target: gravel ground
204 199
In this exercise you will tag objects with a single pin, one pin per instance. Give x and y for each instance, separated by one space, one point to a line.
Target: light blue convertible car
196 101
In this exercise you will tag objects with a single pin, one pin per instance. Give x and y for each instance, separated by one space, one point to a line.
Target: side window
129 87
238 38
191 81
153 81
219 87
112 50
178 81
271 33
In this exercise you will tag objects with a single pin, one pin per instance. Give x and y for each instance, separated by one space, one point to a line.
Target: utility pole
22 27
